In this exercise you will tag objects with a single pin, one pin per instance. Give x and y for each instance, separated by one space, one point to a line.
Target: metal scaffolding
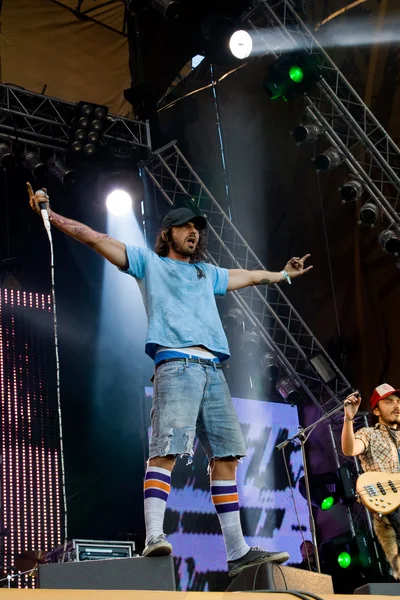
266 307
44 122
369 151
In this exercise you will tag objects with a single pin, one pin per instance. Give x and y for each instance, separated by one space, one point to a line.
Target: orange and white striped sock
224 495
157 485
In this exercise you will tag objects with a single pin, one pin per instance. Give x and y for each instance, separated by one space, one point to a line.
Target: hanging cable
328 254
225 175
55 326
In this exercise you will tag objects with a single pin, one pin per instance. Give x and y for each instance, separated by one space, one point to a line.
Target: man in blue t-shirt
188 344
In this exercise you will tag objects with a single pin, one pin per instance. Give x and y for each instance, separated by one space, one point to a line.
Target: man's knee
224 468
164 462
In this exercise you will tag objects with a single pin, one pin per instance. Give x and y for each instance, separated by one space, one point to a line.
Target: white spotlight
119 203
241 44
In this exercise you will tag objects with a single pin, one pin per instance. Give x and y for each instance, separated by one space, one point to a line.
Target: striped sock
157 486
224 495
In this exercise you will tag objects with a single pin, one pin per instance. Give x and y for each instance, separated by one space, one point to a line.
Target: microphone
43 210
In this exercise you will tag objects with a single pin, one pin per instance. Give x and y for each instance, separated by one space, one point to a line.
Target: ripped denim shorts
193 399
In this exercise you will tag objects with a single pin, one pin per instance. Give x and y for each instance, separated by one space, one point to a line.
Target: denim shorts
193 399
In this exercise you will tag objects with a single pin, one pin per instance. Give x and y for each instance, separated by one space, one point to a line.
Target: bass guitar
379 492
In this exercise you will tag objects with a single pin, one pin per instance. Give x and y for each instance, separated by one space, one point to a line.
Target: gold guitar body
379 492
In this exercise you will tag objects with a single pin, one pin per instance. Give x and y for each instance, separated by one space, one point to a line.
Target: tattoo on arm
77 230
264 282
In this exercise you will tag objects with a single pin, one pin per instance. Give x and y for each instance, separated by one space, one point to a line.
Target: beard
392 420
182 249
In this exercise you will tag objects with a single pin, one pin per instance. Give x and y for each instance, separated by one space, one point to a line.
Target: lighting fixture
351 190
328 160
60 170
306 133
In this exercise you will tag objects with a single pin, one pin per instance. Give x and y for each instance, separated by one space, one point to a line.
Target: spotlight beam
252 43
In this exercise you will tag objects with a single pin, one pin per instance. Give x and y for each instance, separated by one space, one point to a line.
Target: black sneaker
255 556
158 546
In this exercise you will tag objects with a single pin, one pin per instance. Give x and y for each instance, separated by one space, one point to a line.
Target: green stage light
292 75
327 503
344 560
296 74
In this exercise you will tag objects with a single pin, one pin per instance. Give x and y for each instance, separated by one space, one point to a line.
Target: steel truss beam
369 151
267 308
45 122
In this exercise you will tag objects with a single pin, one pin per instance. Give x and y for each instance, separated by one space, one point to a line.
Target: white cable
45 216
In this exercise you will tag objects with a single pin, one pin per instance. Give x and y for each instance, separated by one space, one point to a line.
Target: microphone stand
11 576
301 436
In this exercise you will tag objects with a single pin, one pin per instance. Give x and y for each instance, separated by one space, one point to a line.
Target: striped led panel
31 499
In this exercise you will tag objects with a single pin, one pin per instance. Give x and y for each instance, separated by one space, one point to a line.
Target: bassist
378 449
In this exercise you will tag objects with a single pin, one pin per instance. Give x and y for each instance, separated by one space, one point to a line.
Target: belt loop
186 362
214 365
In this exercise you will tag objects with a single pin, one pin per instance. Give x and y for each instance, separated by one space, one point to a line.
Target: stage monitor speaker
139 573
270 576
379 589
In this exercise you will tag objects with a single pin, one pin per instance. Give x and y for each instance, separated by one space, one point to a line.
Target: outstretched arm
113 250
240 278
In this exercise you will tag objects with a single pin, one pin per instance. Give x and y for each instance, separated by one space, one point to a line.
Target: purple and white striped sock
224 495
157 485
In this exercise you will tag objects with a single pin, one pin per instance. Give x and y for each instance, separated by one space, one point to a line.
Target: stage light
354 554
86 128
61 171
269 365
168 8
293 74
251 342
6 157
241 44
288 390
321 496
216 31
306 133
351 190
344 560
34 164
296 74
323 368
234 319
119 203
369 214
328 160
390 242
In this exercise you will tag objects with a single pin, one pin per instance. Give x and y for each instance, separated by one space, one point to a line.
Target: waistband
201 361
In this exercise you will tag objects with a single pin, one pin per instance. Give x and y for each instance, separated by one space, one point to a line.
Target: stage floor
37 594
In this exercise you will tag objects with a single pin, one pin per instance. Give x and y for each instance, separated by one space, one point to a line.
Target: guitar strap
394 438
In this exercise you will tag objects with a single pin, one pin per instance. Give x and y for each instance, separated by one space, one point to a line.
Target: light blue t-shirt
180 305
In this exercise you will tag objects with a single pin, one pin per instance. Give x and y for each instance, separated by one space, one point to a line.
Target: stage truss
39 121
369 151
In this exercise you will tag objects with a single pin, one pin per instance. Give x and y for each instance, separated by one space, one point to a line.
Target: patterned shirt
380 452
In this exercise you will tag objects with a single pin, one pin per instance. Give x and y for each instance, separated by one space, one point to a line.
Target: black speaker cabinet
139 573
380 589
270 576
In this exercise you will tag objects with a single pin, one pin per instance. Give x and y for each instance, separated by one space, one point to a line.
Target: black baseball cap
180 216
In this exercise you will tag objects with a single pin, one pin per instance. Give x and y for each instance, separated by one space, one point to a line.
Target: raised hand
35 198
295 266
352 404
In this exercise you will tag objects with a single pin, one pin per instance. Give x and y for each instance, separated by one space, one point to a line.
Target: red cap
382 391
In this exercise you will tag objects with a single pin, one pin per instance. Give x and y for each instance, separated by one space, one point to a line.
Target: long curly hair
164 240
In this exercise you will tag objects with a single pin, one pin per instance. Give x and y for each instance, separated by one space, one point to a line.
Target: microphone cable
45 216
